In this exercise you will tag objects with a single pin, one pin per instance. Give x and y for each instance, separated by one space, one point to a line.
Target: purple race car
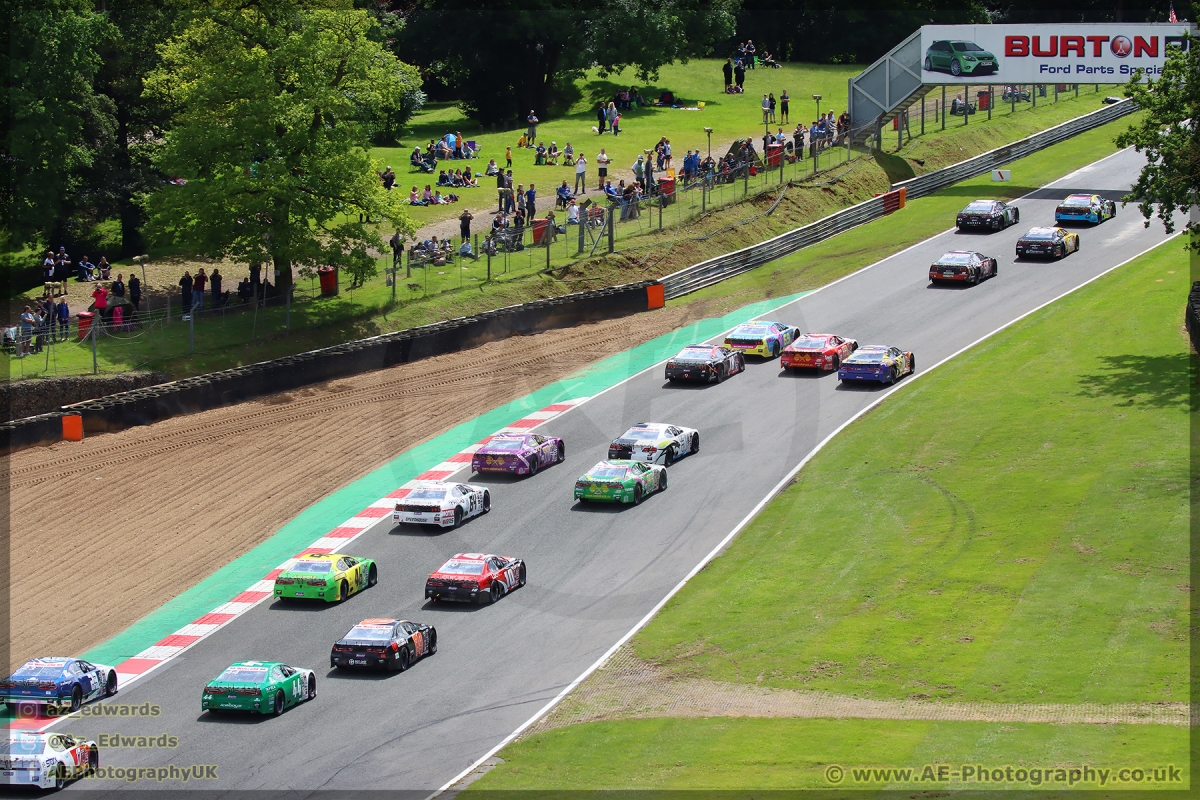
518 453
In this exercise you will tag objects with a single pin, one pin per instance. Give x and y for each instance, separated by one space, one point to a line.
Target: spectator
397 245
552 154
198 285
602 162
539 157
519 197
427 195
766 107
28 320
638 168
666 151
771 109
100 300
48 267
508 157
63 312
563 195
86 270
135 292
464 224
103 268
580 173
601 118
414 197
492 168
509 200
843 125
389 178
185 286
783 106
256 278
739 75
48 315
610 114
245 290
530 202
616 125
727 72
533 123
214 287
750 52
118 286
572 212
741 51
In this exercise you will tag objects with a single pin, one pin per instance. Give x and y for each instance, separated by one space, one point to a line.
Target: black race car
963 265
710 363
392 644
992 215
1047 243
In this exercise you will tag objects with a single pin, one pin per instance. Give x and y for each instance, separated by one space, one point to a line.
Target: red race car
817 350
475 578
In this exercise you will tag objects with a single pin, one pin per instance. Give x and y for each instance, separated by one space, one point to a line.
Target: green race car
621 482
331 577
267 687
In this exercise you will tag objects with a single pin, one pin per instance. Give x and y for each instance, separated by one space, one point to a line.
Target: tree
1167 133
508 57
267 150
55 122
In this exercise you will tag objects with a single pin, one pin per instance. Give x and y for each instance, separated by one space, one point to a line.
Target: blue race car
877 363
58 683
1085 208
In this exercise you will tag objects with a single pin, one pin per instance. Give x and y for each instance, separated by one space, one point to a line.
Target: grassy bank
1031 547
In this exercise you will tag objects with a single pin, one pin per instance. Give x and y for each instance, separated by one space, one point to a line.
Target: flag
1173 18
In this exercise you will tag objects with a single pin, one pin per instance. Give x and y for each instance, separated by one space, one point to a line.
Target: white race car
45 760
655 443
443 504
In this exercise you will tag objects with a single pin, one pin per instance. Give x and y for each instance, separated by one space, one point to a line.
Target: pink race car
518 453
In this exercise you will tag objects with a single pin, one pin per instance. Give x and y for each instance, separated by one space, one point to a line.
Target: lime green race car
267 687
621 482
331 577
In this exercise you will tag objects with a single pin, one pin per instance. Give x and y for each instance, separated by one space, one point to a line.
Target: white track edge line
758 507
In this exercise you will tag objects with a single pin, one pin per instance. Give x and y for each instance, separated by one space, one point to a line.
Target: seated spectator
389 178
87 270
667 98
564 194
635 99
465 250
103 270
414 197
427 195
572 212
768 60
468 179
245 290
523 141
492 168
552 154
443 179
539 157
568 155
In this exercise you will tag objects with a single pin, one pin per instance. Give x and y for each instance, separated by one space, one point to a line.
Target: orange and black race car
392 644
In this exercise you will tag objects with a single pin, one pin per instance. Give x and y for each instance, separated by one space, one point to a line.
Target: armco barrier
986 162
715 270
203 392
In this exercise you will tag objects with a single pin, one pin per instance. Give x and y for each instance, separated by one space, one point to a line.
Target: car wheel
494 592
402 664
1016 216
343 592
93 760
373 575
533 465
522 575
76 698
60 777
955 68
972 278
912 364
836 364
487 502
277 706
562 452
637 495
774 349
669 457
662 481
110 685
928 64
695 444
997 224
718 377
433 641
458 517
312 686
895 373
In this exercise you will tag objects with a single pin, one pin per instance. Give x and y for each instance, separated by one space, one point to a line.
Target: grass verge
1031 547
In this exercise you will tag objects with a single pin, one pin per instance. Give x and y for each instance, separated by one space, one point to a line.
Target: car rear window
871 357
980 205
1039 235
808 342
372 633
607 472
751 330
505 445
22 746
694 354
1080 202
640 433
454 567
955 258
426 494
244 675
312 566
40 669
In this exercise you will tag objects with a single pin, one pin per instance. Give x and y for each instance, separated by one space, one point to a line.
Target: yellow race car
1047 243
766 339
331 577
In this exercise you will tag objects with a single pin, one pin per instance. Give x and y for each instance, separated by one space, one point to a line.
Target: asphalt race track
594 571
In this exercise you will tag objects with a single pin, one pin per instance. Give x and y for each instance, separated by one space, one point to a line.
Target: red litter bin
329 283
985 100
666 188
85 324
541 230
774 154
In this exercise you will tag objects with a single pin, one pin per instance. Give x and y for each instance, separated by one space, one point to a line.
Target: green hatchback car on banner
960 58
267 687
621 482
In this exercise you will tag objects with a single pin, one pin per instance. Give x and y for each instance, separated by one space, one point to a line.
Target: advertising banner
1060 53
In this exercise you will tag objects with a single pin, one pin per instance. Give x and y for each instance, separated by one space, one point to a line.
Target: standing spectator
739 75
750 52
616 124
185 286
727 72
135 292
533 123
100 300
520 202
601 118
530 203
741 51
638 168
766 108
256 279
508 157
813 133
611 115
509 202
464 225
49 314
214 287
666 151
118 286
843 125
783 106
602 161
48 267
63 312
771 110
580 173
397 245
198 285
28 320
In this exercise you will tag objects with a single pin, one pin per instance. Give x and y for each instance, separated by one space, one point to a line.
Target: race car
331 577
959 58
764 339
393 644
518 453
877 363
475 578
655 442
1052 242
267 687
46 760
705 362
620 481
1085 208
993 215
443 504
820 350
963 265
57 683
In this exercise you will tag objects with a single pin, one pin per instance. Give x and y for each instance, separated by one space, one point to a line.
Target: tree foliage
273 105
1169 136
505 58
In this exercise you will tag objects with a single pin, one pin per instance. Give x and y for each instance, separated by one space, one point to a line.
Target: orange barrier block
655 296
72 428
